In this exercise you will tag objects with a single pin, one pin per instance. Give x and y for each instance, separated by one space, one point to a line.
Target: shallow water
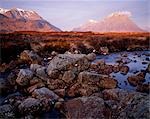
134 62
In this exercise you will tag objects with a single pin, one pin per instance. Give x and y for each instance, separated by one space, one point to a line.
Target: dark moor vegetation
14 43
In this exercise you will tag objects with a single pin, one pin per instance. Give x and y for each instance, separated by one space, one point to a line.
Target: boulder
104 50
128 104
65 62
85 107
44 92
55 84
30 106
60 92
91 56
24 76
136 79
89 78
7 112
30 56
108 83
68 77
39 70
35 86
145 88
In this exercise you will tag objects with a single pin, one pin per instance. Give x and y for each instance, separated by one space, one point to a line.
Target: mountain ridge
17 19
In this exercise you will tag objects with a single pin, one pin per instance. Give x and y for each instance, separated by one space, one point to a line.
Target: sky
69 14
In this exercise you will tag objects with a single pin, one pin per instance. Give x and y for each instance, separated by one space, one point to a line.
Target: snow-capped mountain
115 22
17 19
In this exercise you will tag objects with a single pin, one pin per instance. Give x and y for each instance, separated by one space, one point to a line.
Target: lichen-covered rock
7 112
85 107
65 62
44 92
30 106
24 76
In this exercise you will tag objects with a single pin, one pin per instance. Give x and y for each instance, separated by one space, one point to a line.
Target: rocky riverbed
72 85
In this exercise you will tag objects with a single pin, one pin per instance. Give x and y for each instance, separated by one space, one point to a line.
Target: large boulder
65 62
127 104
24 76
85 108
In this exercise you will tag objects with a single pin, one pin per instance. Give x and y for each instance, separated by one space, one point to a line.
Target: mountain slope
116 22
21 20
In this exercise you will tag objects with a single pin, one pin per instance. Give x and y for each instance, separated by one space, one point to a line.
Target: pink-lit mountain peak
115 22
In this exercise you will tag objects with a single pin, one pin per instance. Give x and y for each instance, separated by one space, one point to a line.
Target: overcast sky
67 14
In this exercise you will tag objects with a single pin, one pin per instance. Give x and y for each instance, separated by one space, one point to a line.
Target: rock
145 88
124 70
60 92
30 56
108 83
91 56
12 78
24 76
104 50
124 55
30 106
128 104
89 78
116 69
136 79
35 86
39 70
54 53
68 77
148 68
85 107
4 86
45 92
74 90
34 81
100 62
34 67
55 84
65 62
7 112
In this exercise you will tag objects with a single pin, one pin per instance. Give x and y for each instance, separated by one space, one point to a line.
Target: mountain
115 22
23 20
